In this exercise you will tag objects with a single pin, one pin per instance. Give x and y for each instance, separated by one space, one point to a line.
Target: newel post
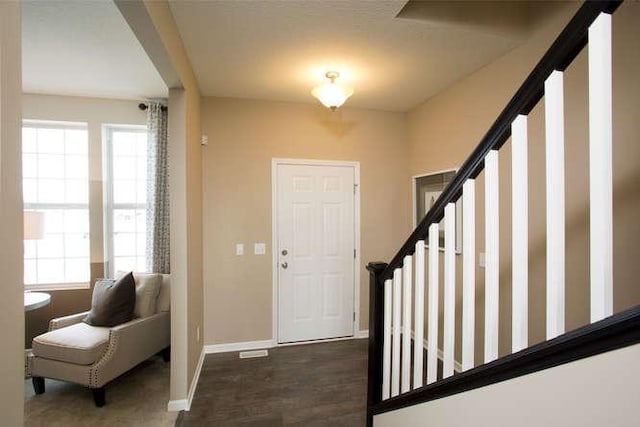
376 326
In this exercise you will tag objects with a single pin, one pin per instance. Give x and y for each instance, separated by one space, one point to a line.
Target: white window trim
108 206
57 286
54 124
51 124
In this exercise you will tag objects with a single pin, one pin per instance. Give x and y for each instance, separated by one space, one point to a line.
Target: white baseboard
177 405
238 346
456 365
258 345
194 381
324 340
362 334
185 404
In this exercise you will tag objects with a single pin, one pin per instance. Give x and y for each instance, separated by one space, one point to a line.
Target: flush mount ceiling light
331 94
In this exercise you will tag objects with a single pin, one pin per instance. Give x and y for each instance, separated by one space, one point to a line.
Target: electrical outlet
239 249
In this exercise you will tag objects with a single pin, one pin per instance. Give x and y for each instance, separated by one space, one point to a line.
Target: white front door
315 217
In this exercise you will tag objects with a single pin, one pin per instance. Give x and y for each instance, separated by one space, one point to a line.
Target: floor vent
254 353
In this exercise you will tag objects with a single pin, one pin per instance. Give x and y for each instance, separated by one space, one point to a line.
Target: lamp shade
331 94
33 225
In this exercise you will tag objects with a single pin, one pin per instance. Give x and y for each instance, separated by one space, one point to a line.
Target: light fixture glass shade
331 94
33 225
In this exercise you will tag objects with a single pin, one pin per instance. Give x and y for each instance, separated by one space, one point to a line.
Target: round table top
33 300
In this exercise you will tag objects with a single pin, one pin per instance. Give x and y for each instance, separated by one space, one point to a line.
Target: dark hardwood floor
320 384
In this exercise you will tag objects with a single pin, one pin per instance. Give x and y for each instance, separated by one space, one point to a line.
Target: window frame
38 206
108 204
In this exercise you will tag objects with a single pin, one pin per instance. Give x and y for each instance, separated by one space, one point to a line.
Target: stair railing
397 289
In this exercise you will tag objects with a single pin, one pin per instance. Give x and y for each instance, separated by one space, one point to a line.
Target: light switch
259 248
239 249
481 262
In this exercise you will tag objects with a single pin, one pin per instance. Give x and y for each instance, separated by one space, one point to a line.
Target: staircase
397 377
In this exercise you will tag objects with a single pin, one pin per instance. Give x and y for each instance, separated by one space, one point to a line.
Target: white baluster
449 288
386 344
554 120
468 272
600 173
432 323
418 337
519 235
492 260
395 359
407 268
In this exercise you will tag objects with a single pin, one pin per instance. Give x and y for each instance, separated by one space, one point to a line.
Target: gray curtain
157 191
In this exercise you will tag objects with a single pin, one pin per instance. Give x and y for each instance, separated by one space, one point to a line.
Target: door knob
285 265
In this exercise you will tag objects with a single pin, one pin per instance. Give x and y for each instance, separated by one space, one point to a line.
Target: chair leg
98 396
38 384
166 354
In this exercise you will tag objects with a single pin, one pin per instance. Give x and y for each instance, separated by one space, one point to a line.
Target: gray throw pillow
112 302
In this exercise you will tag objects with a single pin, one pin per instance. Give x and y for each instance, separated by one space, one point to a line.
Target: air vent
254 353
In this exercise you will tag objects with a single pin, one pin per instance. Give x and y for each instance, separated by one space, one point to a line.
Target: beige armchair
92 356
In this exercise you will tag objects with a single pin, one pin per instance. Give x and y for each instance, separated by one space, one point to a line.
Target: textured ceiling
395 53
84 48
279 50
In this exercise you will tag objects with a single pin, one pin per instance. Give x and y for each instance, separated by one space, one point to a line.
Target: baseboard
320 341
362 334
185 404
177 405
238 346
257 345
194 381
456 365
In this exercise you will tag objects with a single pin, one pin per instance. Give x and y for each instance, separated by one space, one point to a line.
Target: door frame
275 162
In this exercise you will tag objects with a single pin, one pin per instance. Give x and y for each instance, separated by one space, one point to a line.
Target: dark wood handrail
561 53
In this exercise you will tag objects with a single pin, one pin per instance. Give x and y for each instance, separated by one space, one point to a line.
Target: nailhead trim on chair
94 372
28 363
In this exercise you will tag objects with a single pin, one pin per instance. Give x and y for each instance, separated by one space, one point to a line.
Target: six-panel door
316 243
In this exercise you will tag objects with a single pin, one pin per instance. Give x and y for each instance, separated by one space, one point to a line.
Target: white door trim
275 162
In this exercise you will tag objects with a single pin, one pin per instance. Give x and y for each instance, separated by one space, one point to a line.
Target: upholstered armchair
92 356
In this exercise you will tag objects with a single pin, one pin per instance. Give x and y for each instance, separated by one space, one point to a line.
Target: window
125 197
55 182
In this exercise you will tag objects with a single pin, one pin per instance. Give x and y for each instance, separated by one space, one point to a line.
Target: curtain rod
144 106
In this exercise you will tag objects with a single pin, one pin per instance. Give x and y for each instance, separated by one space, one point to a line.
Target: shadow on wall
335 122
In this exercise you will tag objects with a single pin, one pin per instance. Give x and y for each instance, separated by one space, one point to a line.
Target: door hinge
354 316
354 254
355 188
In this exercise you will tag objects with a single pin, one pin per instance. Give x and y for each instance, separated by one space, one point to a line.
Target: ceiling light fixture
331 94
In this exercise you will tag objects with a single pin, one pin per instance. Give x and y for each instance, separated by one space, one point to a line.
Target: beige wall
11 290
593 392
186 198
244 136
95 112
444 130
